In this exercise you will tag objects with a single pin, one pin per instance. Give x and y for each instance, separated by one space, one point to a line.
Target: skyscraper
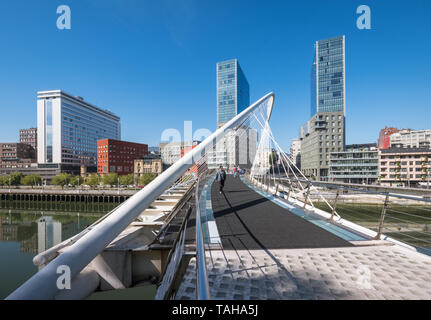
68 129
233 94
328 76
324 132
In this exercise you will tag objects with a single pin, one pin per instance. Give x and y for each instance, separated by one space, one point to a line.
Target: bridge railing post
334 206
382 218
276 189
307 195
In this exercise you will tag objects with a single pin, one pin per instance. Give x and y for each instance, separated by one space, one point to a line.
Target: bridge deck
248 220
267 252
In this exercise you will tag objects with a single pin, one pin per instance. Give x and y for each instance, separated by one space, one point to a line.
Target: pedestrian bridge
271 234
266 248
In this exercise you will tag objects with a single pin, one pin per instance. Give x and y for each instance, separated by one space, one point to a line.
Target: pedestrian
235 172
221 177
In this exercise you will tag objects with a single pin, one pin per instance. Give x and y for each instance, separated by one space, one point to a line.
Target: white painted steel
43 284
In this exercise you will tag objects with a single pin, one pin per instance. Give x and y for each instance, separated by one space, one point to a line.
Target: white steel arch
43 285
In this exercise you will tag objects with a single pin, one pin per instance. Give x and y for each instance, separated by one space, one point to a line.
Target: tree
110 179
31 180
3 181
92 180
127 179
146 178
273 158
14 179
62 179
76 180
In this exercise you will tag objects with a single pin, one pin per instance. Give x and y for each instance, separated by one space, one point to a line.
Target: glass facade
233 94
48 131
328 76
80 131
71 128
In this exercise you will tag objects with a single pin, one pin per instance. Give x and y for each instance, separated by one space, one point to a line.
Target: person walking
221 177
235 172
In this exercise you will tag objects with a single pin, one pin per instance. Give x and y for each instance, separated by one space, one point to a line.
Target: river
28 228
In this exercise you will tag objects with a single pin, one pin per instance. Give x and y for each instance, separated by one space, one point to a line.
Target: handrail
202 286
382 193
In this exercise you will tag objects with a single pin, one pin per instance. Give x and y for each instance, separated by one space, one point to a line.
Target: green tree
146 178
14 179
3 181
31 180
76 181
62 179
273 158
92 180
110 179
127 179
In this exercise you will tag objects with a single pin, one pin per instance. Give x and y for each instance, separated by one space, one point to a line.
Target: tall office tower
68 129
325 131
233 95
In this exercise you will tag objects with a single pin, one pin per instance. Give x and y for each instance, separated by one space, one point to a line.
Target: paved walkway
267 252
377 272
248 220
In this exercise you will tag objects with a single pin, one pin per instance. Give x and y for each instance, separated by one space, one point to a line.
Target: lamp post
428 178
118 184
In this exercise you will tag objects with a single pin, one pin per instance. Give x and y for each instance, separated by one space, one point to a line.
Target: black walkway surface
246 220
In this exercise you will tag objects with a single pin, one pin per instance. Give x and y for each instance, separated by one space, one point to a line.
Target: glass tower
328 76
233 94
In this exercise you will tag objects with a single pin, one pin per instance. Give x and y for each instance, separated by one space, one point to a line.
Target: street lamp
118 184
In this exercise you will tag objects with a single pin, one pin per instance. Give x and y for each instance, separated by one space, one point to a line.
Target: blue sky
153 62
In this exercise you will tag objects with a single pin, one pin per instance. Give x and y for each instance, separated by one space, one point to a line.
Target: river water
28 228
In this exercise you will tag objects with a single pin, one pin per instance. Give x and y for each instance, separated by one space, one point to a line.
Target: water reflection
26 231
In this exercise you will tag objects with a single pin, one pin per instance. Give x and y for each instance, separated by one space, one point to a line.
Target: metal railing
202 285
389 216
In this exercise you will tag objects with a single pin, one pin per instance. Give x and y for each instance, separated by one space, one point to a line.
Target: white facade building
411 139
235 149
170 152
68 129
295 150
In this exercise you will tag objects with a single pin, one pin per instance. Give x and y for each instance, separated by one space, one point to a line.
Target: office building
68 129
233 94
16 155
358 163
408 167
171 151
236 148
114 156
324 132
28 136
295 151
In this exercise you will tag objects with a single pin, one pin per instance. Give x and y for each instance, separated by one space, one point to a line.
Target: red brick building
384 138
118 156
